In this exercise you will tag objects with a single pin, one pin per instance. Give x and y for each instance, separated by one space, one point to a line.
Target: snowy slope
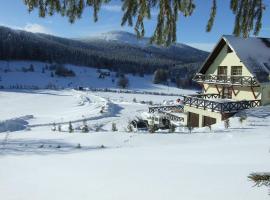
85 76
38 163
207 165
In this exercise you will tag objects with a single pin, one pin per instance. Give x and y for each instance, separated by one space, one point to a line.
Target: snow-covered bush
85 128
130 128
172 128
61 70
123 82
114 128
59 128
227 123
70 128
54 127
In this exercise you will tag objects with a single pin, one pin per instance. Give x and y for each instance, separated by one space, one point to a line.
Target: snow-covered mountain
119 36
124 37
113 50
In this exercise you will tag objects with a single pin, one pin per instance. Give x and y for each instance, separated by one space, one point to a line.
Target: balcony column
200 120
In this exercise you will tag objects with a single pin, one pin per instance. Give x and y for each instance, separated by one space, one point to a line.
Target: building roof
254 52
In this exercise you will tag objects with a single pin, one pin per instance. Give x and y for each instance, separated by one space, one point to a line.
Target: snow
85 77
38 163
123 37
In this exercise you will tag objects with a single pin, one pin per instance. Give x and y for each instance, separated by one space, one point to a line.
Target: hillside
113 50
14 75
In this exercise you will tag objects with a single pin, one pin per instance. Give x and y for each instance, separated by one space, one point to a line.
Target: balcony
215 103
226 80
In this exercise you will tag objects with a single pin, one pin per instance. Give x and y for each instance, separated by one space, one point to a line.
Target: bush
63 71
59 128
130 128
114 128
242 118
160 76
85 128
31 68
70 128
152 128
190 129
227 123
123 82
54 127
172 128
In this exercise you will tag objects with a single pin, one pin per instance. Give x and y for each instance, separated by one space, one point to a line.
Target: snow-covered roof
254 52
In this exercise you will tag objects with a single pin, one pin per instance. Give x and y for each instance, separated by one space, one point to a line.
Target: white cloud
203 46
35 28
112 8
30 27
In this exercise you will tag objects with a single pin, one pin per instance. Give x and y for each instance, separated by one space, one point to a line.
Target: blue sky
191 30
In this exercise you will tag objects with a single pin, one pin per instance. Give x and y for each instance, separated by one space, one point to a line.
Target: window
222 73
236 71
222 70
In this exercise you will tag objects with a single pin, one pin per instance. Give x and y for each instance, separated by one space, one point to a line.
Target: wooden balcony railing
203 102
165 108
226 80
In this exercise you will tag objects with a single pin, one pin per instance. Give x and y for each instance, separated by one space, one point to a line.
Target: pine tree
227 123
248 14
172 128
114 128
70 127
85 128
54 127
160 76
31 68
59 128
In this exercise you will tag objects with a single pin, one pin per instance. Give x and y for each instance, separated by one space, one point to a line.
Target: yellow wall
202 113
242 93
229 60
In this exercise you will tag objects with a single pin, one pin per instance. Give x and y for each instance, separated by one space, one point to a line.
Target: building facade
235 76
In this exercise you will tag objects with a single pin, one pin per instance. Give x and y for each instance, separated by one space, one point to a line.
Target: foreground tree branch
260 179
248 14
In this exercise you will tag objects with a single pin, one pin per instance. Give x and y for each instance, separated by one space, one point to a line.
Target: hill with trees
116 53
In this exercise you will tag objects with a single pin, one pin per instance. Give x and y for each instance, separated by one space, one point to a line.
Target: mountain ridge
113 53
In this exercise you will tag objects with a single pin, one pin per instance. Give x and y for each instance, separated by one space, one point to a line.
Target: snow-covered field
37 163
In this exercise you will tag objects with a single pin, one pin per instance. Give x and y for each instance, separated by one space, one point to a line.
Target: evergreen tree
70 128
114 128
85 128
227 123
31 68
59 128
54 127
123 82
160 76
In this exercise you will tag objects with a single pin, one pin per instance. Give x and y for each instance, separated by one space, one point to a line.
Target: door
193 120
207 121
